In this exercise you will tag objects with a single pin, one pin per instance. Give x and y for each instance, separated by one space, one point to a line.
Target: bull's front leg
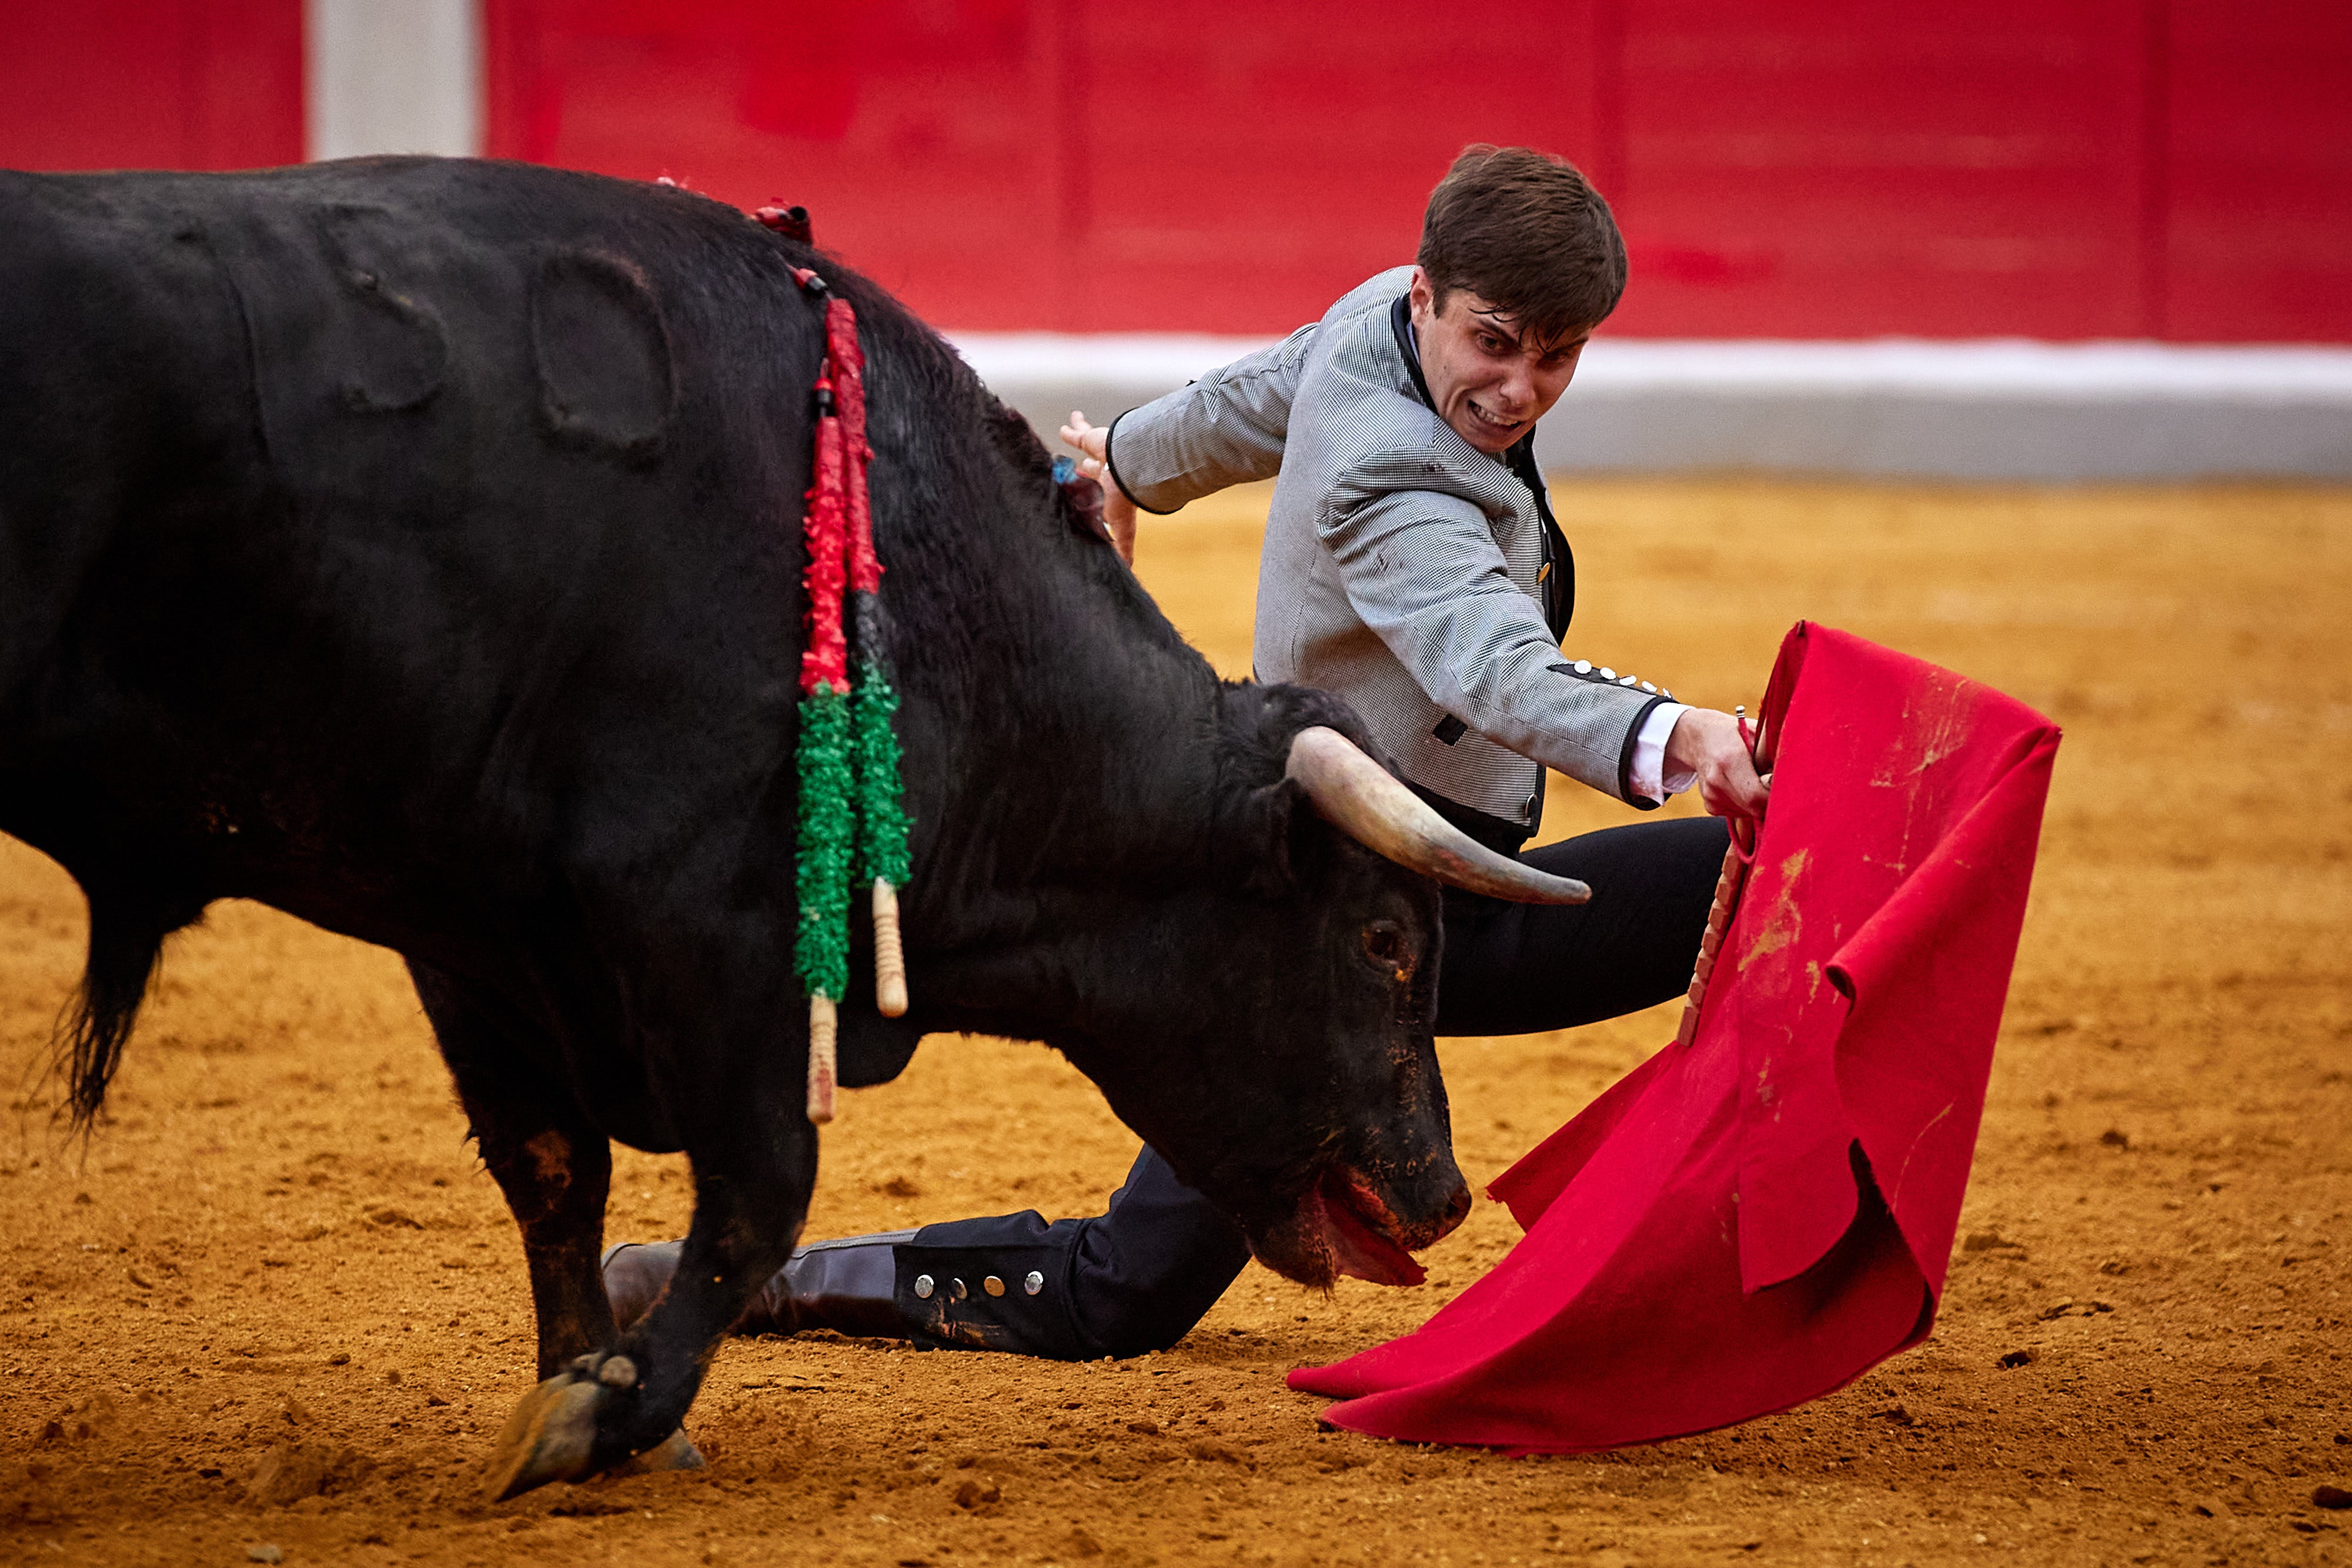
554 1167
605 1409
749 1205
620 1402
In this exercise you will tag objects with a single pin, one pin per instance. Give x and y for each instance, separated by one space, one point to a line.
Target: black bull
414 546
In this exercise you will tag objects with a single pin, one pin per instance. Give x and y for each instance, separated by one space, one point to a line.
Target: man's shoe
849 1286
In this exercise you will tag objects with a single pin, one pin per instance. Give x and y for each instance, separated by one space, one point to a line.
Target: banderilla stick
889 958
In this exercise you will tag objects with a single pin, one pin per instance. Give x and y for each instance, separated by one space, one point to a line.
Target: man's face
1490 380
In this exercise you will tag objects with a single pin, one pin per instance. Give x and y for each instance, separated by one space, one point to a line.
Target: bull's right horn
1357 795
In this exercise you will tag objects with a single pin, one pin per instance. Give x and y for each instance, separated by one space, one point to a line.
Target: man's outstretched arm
1227 428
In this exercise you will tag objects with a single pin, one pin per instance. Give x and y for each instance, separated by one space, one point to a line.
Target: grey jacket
1404 568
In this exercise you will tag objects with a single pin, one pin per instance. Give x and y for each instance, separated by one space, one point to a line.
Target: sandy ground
279 1273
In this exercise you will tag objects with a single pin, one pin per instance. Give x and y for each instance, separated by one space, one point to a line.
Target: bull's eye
1384 945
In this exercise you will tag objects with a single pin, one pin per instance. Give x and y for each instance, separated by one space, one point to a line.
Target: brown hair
1528 234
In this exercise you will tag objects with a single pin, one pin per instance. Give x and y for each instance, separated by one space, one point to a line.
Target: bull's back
345 496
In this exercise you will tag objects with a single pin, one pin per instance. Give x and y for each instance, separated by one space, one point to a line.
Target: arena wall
1899 213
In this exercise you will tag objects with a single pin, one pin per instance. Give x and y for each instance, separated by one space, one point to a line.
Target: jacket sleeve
1226 428
1422 570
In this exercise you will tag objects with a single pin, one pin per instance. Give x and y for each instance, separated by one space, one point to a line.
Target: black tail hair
126 937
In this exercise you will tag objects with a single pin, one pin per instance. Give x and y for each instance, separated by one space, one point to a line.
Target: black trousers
1137 1276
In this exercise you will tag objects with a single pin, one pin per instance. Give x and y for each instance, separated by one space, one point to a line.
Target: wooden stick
1718 920
824 1024
889 958
1728 886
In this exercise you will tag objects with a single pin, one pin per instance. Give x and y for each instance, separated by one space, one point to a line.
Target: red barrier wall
1805 168
2176 169
132 84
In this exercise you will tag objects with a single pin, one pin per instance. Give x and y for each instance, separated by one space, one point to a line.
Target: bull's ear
1265 837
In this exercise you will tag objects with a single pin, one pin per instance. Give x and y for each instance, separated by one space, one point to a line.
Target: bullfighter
1413 566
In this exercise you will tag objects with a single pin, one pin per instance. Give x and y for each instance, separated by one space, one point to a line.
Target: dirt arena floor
276 1311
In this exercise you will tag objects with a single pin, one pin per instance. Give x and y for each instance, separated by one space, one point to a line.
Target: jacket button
993 1285
923 1287
1034 1282
1584 666
957 1290
1649 688
1607 673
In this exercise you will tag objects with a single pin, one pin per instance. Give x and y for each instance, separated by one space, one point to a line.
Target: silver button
923 1287
993 1285
1607 673
957 1290
1034 1283
1527 812
1584 666
1649 688
1624 680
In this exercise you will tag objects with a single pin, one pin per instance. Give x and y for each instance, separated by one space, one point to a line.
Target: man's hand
1709 744
1093 441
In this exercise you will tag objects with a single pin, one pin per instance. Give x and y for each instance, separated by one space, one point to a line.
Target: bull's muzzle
1365 1227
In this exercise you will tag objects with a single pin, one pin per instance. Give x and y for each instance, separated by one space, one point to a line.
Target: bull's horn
1357 795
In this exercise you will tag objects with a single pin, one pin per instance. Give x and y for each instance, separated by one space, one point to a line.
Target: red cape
1752 1219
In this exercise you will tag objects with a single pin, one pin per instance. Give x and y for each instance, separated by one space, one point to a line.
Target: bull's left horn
1357 795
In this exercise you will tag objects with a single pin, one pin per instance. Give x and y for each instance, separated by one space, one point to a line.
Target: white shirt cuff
1650 755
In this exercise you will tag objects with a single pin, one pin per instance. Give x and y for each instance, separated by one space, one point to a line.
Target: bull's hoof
551 1435
675 1452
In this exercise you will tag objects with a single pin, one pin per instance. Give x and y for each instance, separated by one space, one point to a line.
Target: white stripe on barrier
392 76
1999 367
2005 409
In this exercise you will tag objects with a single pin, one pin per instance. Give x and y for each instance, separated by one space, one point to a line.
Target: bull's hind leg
555 1168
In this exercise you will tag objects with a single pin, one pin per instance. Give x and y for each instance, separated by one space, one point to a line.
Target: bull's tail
127 930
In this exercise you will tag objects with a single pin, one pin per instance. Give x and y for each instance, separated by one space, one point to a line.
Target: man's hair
1528 234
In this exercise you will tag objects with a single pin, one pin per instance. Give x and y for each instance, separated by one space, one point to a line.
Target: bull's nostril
1458 1209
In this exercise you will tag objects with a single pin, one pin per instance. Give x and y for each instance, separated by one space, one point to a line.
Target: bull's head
1296 1081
